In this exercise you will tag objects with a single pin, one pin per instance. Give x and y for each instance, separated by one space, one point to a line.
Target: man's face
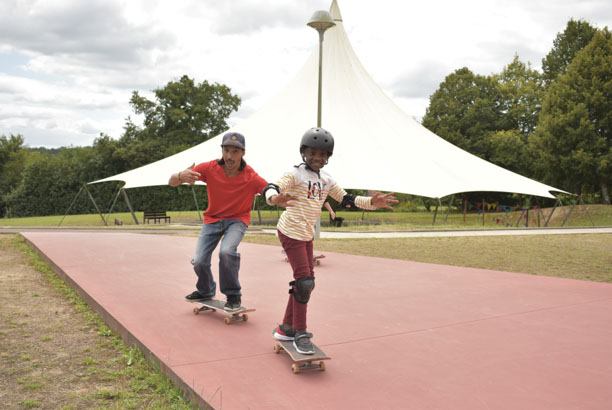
316 158
232 157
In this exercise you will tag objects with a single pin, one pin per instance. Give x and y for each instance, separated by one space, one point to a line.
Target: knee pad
302 288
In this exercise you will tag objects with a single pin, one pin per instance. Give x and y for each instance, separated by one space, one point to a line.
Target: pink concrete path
401 334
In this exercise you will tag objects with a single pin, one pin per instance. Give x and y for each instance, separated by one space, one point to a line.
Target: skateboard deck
215 304
302 361
317 259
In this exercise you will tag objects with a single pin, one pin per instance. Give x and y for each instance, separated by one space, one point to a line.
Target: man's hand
383 200
283 200
187 176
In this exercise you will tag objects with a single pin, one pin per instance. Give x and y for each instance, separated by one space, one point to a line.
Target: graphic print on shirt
315 191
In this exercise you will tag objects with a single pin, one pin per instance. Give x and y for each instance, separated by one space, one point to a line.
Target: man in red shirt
231 185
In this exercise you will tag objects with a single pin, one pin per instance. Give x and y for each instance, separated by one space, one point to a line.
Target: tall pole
319 102
321 20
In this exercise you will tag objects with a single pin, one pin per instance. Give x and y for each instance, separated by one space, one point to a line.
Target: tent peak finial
334 10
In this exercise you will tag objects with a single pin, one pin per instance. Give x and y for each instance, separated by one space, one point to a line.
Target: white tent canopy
377 145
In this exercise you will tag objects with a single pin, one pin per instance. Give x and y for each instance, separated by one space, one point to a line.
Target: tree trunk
605 196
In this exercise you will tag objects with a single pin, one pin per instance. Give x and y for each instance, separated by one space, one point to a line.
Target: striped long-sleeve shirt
298 222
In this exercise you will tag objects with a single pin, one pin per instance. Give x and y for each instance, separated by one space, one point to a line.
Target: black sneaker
195 295
281 333
302 343
233 303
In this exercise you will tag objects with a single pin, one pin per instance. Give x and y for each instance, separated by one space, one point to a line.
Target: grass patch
584 257
30 404
87 362
601 215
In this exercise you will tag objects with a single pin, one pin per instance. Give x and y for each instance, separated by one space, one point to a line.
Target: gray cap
234 139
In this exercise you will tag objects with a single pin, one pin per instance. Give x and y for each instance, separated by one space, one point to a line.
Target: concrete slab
401 334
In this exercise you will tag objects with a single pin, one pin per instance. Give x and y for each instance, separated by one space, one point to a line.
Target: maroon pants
300 256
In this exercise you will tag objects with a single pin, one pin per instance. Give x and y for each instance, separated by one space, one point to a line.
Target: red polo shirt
229 198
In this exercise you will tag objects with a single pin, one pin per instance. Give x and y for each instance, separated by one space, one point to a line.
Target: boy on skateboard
303 191
231 185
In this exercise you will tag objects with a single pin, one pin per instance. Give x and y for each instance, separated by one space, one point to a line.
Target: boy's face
232 157
316 158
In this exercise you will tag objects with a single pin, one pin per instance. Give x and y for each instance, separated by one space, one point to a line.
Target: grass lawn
585 257
601 215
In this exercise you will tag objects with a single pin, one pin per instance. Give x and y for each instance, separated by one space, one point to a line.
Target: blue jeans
232 232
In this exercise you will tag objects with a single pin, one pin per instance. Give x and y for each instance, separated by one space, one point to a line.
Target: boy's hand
383 200
283 200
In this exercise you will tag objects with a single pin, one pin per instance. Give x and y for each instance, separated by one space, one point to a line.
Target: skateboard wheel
317 262
322 366
295 368
227 320
245 317
277 349
196 310
213 310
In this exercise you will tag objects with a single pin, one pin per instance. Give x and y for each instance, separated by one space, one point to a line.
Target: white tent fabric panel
377 145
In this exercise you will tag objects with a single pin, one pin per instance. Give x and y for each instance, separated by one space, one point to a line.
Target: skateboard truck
213 305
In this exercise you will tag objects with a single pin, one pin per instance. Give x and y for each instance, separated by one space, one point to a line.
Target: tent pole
95 204
450 203
587 210
110 211
127 201
520 217
527 214
256 204
483 211
551 213
436 212
562 208
570 212
195 199
71 203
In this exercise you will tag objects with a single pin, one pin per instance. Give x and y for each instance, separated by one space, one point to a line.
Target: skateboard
317 259
302 361
214 305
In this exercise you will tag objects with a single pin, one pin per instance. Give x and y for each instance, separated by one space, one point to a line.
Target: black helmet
317 137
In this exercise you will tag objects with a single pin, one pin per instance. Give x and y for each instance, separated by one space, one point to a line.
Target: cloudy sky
68 67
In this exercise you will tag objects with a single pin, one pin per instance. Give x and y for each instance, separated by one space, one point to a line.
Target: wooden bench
156 216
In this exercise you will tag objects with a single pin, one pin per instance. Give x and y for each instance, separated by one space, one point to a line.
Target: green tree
508 150
573 140
476 112
566 45
520 93
49 183
13 158
184 113
464 111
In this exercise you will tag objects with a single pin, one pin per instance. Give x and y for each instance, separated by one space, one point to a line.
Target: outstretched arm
186 176
380 200
283 200
273 195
